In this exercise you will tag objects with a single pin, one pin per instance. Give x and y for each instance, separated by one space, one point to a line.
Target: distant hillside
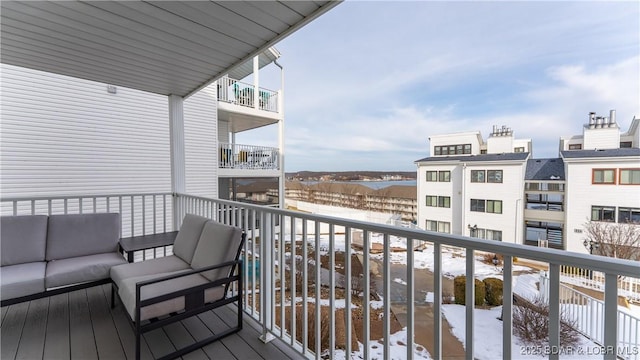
350 175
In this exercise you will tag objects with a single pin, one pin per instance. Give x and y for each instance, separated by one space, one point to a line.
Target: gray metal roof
575 154
163 47
545 169
482 157
265 58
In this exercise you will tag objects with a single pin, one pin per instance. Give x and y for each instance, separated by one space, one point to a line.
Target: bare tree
618 240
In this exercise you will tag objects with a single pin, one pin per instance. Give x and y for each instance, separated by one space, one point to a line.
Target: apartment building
80 135
494 190
603 166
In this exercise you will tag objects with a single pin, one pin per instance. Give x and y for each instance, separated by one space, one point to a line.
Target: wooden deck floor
82 325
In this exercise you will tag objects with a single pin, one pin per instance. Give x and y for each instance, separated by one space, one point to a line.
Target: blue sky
368 82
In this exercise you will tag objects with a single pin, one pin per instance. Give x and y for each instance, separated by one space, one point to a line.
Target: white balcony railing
291 264
236 156
240 93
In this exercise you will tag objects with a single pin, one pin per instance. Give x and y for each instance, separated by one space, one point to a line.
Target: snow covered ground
486 321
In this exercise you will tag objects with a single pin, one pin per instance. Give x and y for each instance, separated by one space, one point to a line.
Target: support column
256 82
282 179
176 136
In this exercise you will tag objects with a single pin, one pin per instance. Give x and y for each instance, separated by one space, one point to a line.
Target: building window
575 146
603 213
458 149
494 235
625 144
494 206
444 176
487 234
549 202
477 205
444 227
432 200
439 226
477 176
628 215
629 176
431 225
604 176
444 201
432 176
519 149
494 176
483 152
537 232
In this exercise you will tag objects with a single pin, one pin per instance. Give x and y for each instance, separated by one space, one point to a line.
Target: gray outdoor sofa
196 278
46 255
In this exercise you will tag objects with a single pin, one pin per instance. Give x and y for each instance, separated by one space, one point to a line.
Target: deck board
56 344
181 338
251 336
35 325
159 343
83 325
107 340
12 330
200 331
81 336
3 312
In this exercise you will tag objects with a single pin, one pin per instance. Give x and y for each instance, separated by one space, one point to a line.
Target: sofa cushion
165 264
187 238
22 279
218 243
127 293
81 269
82 234
23 239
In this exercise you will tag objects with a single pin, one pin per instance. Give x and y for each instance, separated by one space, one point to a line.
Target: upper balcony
236 160
244 108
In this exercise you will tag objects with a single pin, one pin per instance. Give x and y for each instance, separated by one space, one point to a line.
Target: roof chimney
592 120
599 122
612 118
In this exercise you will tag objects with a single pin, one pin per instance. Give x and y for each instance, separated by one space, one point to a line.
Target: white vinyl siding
201 147
65 136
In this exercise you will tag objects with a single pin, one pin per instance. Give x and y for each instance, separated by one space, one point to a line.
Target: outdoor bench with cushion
196 278
46 255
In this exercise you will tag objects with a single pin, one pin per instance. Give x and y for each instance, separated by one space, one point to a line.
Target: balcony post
266 280
280 109
256 82
611 317
176 138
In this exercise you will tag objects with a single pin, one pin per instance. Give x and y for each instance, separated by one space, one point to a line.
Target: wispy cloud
369 82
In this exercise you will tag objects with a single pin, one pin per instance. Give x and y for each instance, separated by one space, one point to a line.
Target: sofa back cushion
187 239
218 243
82 234
23 239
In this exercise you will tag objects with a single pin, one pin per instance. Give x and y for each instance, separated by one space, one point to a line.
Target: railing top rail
40 198
248 146
248 84
555 256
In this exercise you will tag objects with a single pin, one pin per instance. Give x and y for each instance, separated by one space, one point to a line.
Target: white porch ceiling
163 47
